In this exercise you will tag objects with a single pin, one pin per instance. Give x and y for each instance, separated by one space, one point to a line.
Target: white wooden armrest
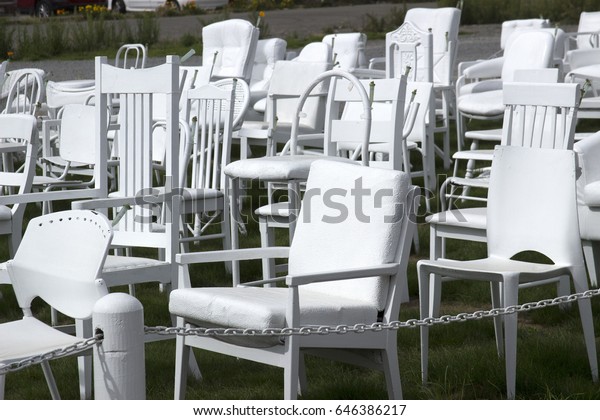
263 282
351 273
102 203
485 69
232 255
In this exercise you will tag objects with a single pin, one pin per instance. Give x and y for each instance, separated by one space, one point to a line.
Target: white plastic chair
18 135
228 48
536 116
59 260
314 295
522 216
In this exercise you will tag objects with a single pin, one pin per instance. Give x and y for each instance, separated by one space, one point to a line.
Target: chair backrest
409 47
60 259
540 115
348 50
291 78
135 89
387 98
20 128
510 26
326 236
527 50
77 141
26 93
241 100
211 108
420 93
131 56
532 205
268 52
234 42
315 52
444 24
59 94
588 22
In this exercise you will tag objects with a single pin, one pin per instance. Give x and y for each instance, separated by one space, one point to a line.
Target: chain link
54 354
375 327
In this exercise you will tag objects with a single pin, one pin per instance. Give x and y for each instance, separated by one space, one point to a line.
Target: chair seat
494 266
475 217
261 105
276 168
29 337
197 193
115 263
260 308
275 209
485 104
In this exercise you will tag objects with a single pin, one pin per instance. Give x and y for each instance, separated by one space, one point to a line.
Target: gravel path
475 41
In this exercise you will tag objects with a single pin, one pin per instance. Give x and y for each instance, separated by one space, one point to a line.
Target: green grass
552 362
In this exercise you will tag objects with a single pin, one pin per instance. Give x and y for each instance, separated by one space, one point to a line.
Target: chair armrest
485 69
376 60
582 58
351 273
103 203
369 73
232 255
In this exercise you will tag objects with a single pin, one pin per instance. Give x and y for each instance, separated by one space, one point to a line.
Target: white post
119 371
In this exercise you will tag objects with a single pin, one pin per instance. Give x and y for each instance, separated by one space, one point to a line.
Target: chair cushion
486 104
260 308
475 218
479 87
276 168
275 209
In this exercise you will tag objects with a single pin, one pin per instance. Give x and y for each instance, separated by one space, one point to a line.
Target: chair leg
50 380
591 260
587 322
511 297
291 368
391 369
497 303
424 298
2 383
563 288
266 240
302 382
83 329
182 355
226 231
436 251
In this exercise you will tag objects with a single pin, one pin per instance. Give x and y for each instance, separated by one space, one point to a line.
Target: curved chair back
527 50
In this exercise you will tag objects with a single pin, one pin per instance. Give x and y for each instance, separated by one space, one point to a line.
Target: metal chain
377 326
54 354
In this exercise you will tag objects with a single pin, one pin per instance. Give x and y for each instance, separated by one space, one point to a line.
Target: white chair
536 116
228 48
18 135
26 92
131 56
59 260
287 83
531 207
588 188
444 25
204 189
315 295
348 50
580 45
268 52
526 50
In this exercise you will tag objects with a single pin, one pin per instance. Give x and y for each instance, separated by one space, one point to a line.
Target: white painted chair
131 56
580 45
536 116
268 52
479 100
51 244
228 48
211 109
329 282
18 135
287 84
522 217
26 92
588 187
348 50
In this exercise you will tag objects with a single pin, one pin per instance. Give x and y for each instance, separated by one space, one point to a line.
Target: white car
151 5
